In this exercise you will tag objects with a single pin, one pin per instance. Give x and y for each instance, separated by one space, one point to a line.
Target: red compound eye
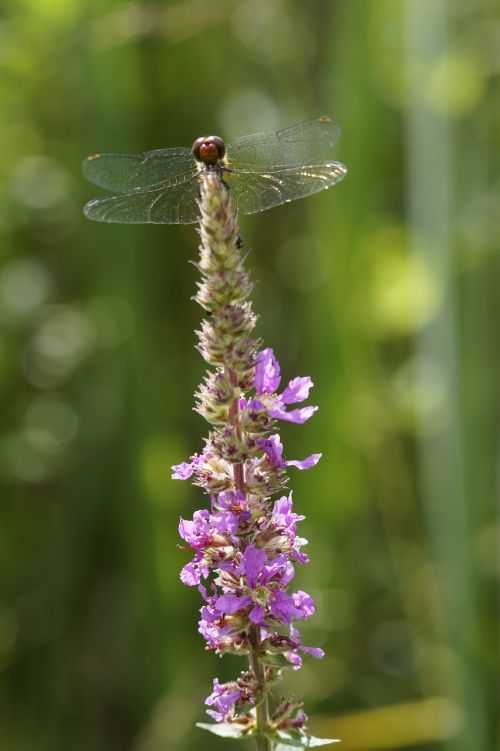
208 153
209 150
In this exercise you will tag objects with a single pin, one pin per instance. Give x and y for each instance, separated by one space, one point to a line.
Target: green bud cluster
225 340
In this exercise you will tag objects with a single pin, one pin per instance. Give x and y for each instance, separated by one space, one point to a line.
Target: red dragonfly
263 170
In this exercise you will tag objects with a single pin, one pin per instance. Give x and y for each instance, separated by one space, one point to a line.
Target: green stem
263 743
262 709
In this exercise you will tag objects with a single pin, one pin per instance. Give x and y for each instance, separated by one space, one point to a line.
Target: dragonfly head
209 150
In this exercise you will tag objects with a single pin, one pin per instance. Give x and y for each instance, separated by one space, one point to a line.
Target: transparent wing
257 191
173 204
306 143
126 172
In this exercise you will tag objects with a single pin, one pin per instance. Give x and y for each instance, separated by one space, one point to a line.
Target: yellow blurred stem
430 720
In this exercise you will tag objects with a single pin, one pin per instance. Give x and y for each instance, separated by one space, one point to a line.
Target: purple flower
304 604
293 655
230 500
218 631
273 447
279 532
228 509
289 715
182 471
266 581
192 572
253 561
223 698
198 532
289 646
267 372
267 381
245 544
283 515
229 604
283 607
225 522
217 530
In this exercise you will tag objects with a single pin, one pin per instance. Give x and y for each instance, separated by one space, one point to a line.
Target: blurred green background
384 290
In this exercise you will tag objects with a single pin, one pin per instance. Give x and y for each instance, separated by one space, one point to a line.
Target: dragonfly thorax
209 149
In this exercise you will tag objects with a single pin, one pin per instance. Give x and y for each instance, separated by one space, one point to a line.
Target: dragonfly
261 170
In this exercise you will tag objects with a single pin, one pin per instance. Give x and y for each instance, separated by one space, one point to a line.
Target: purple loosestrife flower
273 448
224 698
245 542
278 530
267 382
262 593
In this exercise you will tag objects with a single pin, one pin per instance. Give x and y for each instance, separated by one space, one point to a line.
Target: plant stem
262 709
263 743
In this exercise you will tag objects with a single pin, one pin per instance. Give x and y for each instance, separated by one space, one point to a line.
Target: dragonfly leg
220 172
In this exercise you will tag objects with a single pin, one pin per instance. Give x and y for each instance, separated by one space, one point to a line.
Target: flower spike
245 544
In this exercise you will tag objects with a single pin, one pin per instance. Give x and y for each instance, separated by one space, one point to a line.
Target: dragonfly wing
171 204
256 191
306 143
126 172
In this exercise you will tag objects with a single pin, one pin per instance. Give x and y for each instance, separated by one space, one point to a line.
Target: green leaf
314 742
225 730
278 660
292 739
246 708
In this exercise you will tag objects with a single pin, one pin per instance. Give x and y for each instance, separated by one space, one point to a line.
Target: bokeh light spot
24 286
21 460
455 85
421 396
403 292
39 182
113 320
248 111
63 340
50 423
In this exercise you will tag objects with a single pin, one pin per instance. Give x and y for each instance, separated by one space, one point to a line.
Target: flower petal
223 698
224 521
294 659
273 448
298 416
257 614
315 652
283 607
254 560
304 604
307 463
297 390
229 604
267 372
191 574
182 471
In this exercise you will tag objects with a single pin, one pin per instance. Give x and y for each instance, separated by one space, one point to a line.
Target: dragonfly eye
209 150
